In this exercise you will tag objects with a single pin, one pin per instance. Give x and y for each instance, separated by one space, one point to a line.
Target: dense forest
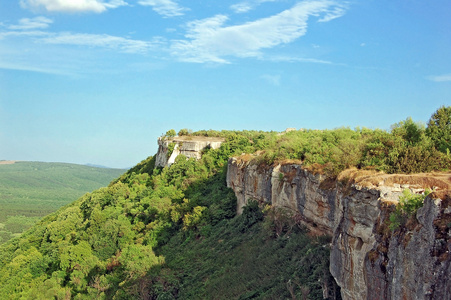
173 233
32 190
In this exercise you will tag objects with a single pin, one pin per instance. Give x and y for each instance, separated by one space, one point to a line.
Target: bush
185 131
407 207
252 214
171 148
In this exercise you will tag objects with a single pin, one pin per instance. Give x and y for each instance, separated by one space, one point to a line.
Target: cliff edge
190 146
368 260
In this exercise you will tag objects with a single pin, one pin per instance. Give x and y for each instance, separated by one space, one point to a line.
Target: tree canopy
439 129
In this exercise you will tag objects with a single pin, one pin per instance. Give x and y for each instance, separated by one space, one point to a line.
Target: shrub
185 131
252 214
407 207
171 148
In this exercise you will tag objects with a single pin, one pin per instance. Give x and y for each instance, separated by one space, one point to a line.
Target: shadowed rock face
368 260
189 146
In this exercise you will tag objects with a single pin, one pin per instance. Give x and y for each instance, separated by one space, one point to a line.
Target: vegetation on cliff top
172 233
409 147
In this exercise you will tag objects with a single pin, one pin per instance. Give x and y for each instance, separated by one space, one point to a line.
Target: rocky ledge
190 146
368 260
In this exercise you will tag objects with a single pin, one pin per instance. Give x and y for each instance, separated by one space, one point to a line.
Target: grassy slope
232 264
31 190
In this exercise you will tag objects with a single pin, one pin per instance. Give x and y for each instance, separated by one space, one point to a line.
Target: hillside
174 232
32 190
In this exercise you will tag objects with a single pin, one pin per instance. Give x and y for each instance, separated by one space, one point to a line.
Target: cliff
368 260
189 146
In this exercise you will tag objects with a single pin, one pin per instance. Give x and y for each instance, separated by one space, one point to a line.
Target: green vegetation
185 131
171 148
406 208
170 133
139 236
242 259
32 190
409 147
439 129
172 233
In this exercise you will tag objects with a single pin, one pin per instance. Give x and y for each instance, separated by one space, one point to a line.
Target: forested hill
32 190
173 233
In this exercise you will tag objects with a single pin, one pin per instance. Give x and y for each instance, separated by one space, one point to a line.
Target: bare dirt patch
365 178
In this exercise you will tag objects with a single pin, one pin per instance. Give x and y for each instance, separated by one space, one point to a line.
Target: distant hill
31 190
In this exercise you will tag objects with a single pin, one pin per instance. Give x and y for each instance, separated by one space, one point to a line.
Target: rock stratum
190 146
368 260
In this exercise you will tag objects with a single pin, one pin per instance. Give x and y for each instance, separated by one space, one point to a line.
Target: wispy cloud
31 68
440 78
72 6
334 12
209 40
105 41
246 6
167 8
71 54
292 59
33 23
115 3
100 40
26 33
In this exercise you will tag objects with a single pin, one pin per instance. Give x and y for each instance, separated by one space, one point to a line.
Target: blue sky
97 81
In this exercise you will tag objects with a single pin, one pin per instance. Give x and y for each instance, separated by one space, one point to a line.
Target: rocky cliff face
190 146
368 260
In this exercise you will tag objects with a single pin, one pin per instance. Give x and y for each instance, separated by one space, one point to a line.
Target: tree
409 130
439 129
170 133
185 131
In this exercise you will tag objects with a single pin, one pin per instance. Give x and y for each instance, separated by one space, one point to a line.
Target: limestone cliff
190 146
368 260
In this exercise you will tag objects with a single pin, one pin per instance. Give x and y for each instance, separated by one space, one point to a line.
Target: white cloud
72 6
208 40
334 12
291 59
167 8
115 3
440 78
242 7
33 23
31 33
246 6
100 40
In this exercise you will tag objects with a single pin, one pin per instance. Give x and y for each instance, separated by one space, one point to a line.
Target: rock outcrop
368 260
190 146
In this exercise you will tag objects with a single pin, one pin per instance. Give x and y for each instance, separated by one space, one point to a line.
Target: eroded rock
368 260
